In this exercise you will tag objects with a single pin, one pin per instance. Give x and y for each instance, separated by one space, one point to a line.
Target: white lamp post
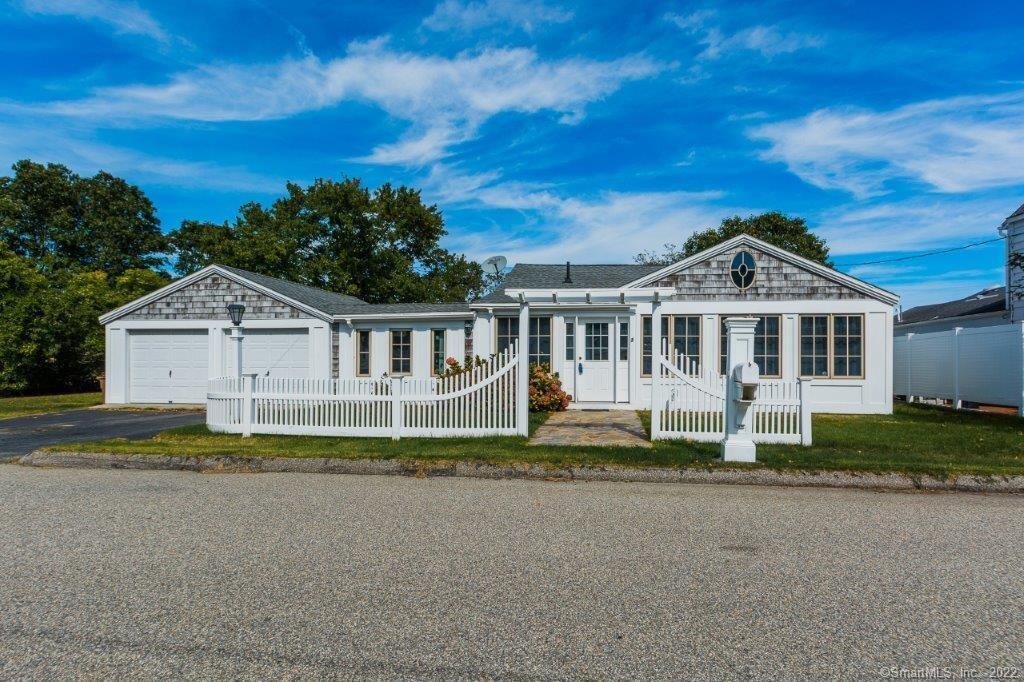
235 312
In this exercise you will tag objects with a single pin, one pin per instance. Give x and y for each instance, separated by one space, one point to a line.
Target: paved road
22 435
163 574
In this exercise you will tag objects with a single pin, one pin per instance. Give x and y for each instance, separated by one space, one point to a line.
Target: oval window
742 270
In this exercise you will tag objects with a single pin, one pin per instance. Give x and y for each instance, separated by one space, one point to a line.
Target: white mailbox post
741 391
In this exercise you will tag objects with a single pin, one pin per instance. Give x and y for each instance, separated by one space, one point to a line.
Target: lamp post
235 312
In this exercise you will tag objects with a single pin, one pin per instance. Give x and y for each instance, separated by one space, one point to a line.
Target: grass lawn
915 439
42 404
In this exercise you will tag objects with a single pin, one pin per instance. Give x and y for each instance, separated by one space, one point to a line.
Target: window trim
444 350
391 352
369 352
782 356
530 336
668 323
497 321
831 349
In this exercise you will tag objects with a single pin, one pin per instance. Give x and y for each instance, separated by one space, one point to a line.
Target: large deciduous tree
773 227
62 221
381 246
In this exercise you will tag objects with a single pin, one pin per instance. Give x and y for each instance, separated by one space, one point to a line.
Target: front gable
779 275
207 299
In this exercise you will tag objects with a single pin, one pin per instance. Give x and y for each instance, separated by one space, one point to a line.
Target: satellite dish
495 264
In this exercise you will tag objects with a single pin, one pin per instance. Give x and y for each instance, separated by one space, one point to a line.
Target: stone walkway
592 427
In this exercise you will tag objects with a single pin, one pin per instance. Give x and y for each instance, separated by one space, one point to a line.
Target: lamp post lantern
235 312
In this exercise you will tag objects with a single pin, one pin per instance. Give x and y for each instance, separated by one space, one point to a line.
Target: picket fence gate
478 402
691 404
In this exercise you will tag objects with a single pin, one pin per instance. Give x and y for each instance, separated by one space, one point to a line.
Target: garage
168 366
271 353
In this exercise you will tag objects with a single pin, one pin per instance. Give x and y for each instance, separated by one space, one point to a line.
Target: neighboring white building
592 323
970 350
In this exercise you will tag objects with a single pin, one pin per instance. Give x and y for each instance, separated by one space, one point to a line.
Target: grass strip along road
915 439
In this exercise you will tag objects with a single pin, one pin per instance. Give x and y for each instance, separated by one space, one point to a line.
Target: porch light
235 311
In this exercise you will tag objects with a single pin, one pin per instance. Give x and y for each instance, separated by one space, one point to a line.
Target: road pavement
171 574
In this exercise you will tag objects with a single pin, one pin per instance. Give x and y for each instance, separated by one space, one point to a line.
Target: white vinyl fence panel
979 365
479 402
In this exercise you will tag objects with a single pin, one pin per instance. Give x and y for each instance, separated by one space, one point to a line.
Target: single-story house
592 324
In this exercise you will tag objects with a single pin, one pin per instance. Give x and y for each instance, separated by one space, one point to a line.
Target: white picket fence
479 402
982 365
692 406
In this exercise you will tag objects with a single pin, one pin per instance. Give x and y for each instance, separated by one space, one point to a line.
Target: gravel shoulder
174 574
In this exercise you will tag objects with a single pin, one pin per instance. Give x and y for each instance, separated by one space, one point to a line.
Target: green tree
60 220
791 234
26 344
50 339
382 246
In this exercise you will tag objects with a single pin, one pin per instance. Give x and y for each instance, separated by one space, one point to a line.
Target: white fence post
805 412
656 396
248 403
396 409
956 367
523 370
909 354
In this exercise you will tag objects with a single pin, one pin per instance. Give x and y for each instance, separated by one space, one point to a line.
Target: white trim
198 275
782 254
587 296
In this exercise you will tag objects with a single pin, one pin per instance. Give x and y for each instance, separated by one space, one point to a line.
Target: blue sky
550 131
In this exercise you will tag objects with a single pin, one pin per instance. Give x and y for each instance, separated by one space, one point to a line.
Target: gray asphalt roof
988 300
403 308
319 299
342 304
534 276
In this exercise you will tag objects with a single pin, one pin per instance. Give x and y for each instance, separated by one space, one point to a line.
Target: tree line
74 247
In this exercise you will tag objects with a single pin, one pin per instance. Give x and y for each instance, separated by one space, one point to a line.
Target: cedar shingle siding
208 298
776 280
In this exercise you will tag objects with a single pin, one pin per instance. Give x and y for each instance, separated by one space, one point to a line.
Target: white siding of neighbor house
1015 276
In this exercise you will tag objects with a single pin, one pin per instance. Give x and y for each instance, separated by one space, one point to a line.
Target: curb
328 465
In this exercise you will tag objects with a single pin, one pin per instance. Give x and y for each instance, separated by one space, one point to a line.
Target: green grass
43 404
914 439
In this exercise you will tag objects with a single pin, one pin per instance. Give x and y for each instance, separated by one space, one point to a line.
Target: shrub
546 394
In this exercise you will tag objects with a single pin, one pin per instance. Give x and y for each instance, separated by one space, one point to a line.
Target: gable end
776 279
207 299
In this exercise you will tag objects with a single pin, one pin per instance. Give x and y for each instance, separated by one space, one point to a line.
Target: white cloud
468 15
77 149
123 17
768 40
913 225
606 227
445 99
951 145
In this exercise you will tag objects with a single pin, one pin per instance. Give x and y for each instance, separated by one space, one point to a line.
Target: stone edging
329 465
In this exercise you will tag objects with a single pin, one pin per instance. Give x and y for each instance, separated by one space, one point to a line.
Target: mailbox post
741 390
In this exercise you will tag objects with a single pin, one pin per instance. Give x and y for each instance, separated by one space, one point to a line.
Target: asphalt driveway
115 574
21 435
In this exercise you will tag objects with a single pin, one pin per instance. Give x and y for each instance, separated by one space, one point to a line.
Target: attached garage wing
168 366
271 353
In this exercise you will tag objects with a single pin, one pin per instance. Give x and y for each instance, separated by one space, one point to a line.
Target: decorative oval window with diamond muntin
743 270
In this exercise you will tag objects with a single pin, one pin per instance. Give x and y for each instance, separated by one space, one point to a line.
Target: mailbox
746 376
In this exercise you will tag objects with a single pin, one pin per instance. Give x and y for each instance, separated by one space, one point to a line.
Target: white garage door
271 352
168 366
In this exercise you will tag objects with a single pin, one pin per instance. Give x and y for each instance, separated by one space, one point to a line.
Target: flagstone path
592 427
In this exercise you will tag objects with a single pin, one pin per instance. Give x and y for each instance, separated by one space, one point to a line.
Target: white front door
595 365
168 366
